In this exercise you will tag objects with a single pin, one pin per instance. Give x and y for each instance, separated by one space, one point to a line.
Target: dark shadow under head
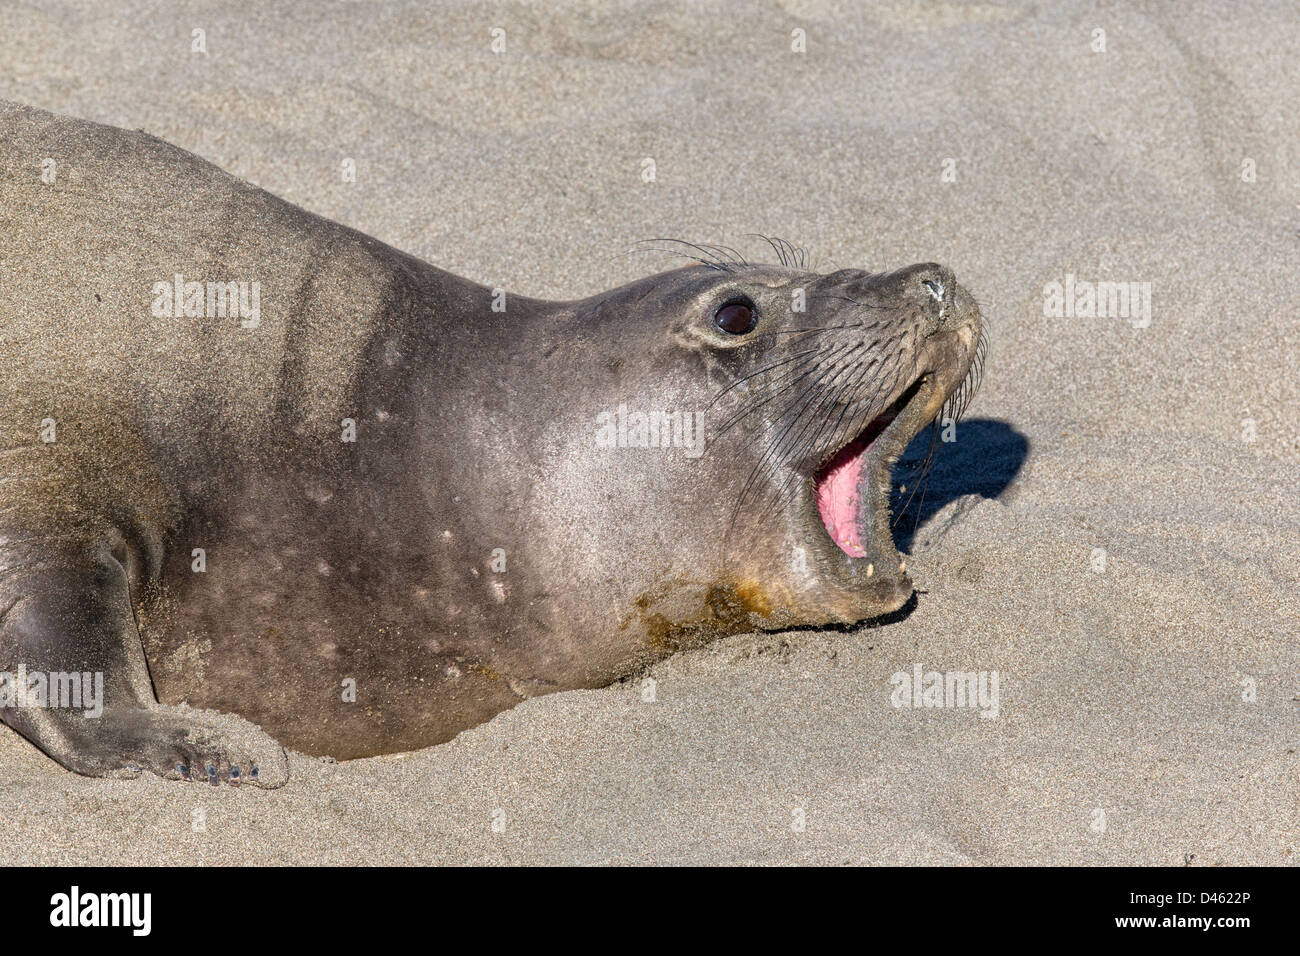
985 458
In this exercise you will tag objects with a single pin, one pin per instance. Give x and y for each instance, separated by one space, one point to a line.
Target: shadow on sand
985 458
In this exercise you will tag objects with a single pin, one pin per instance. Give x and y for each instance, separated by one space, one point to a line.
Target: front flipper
66 611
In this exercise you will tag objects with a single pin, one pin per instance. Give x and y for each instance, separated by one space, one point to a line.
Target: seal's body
258 463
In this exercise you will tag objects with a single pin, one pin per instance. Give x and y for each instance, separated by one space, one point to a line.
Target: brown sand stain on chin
726 609
486 670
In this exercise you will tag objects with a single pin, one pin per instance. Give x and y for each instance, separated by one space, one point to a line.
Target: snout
934 291
926 280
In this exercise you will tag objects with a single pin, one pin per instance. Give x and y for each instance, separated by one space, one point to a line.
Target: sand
1149 703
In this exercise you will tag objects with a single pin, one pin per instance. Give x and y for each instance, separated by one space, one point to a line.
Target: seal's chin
856 477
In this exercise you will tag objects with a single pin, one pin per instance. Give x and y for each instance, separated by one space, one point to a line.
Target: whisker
746 412
739 381
780 253
775 443
710 256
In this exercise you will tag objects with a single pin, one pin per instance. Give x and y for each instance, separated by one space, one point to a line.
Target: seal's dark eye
735 318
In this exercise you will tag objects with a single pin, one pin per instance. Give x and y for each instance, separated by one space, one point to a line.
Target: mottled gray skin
476 430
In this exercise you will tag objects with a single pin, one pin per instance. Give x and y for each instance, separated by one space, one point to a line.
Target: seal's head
812 386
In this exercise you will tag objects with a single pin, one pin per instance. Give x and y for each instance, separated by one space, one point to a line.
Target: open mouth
844 485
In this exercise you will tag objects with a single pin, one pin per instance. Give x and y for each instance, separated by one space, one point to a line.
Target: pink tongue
837 500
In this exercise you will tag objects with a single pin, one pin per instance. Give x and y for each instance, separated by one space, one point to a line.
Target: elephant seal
255 463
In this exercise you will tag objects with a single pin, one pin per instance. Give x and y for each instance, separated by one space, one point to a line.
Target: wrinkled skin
478 543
